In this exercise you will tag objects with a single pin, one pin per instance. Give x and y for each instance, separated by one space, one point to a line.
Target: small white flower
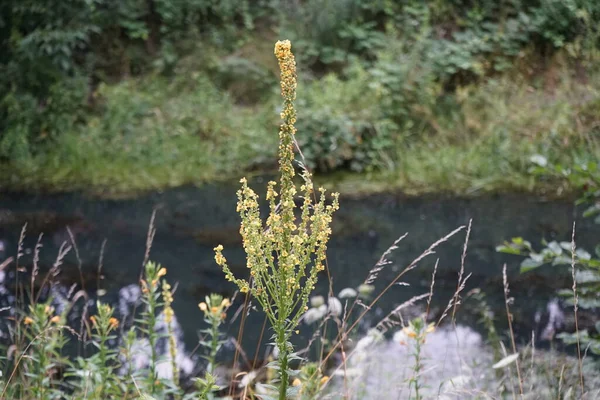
347 293
335 306
315 314
317 301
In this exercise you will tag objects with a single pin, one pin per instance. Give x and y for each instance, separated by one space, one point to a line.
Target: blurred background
421 96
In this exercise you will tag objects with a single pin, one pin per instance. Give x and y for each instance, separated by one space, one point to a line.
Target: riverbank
358 134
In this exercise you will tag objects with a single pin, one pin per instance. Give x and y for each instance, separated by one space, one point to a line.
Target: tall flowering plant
286 254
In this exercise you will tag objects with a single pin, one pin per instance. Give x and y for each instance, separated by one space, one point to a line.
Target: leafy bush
342 124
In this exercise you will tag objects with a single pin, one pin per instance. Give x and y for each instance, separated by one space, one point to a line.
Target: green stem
283 364
103 364
417 368
214 344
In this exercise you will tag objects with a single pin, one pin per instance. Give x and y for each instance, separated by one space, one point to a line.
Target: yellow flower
161 272
55 319
324 380
27 321
93 319
296 382
225 303
113 322
214 310
202 306
409 332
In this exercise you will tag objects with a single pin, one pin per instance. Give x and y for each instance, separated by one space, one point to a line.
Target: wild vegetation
424 96
285 257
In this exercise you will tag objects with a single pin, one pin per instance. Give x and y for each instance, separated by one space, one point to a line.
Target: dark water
191 221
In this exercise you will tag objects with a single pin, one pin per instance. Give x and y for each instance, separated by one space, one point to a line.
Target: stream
190 221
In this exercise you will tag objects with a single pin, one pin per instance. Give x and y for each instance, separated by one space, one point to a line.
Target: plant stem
214 344
283 364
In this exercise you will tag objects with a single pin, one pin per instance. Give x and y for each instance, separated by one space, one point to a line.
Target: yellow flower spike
55 319
202 306
284 253
296 382
27 321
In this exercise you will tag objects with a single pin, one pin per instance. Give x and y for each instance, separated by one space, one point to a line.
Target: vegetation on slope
422 96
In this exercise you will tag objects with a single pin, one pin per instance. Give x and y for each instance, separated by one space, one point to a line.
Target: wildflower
161 272
299 244
317 301
410 332
347 293
202 306
55 319
93 319
214 310
113 322
324 380
225 303
335 306
296 382
48 309
27 321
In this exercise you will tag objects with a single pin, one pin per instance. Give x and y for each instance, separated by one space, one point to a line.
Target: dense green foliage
148 93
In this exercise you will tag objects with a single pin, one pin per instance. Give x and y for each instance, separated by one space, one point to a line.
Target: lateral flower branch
286 254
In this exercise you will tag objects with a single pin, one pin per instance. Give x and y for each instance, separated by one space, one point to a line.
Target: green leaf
582 254
528 264
555 248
